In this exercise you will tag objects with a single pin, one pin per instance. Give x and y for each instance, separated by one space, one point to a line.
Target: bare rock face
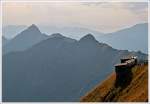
123 77
135 91
123 71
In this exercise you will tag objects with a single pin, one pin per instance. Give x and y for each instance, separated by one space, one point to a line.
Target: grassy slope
136 91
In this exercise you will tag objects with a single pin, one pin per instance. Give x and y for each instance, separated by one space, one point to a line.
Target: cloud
101 16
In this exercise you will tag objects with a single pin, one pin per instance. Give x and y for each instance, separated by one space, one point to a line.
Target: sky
101 16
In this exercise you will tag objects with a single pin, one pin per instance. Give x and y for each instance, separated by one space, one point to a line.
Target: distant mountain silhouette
88 37
58 35
133 38
56 69
4 41
25 40
10 31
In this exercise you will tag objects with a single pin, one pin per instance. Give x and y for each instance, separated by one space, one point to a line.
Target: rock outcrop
129 85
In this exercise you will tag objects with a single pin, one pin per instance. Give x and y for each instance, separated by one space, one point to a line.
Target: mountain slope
40 73
25 40
136 91
4 41
133 38
10 31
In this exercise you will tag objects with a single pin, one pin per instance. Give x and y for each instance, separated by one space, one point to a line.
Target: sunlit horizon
103 17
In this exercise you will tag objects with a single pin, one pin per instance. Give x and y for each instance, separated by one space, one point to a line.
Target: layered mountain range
37 67
133 38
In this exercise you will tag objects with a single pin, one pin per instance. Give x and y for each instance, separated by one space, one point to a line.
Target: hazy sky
102 16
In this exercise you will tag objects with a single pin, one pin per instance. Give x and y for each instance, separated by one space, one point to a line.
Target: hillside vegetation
136 91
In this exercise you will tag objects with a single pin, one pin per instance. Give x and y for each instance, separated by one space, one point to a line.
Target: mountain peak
88 37
57 35
32 30
33 27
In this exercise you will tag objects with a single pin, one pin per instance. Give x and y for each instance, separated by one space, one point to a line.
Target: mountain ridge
4 41
88 37
134 38
56 58
137 33
135 91
25 39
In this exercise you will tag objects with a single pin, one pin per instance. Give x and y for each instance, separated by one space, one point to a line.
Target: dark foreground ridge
129 83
